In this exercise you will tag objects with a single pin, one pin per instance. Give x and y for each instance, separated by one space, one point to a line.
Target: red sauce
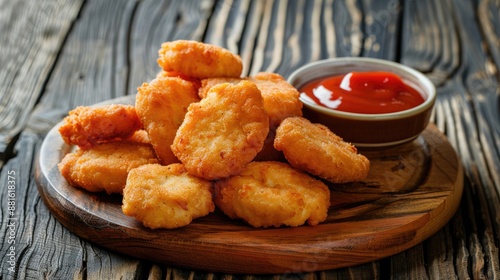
364 92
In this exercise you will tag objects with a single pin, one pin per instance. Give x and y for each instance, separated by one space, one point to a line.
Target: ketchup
363 92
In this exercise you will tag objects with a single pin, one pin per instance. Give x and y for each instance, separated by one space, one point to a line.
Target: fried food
269 194
199 60
87 126
161 106
200 123
223 132
196 82
140 136
281 99
166 196
207 84
317 150
104 167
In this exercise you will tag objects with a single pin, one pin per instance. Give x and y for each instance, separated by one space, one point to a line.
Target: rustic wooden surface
56 55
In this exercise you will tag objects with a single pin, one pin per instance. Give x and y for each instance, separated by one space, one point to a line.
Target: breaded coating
317 150
161 105
270 193
105 167
281 99
207 84
196 82
166 196
199 60
87 126
140 136
223 132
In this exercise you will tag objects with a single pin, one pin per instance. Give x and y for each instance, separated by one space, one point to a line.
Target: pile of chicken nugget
201 136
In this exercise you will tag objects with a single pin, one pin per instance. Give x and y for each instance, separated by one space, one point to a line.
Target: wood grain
412 191
30 44
454 42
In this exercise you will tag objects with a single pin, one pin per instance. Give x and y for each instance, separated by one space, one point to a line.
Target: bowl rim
425 82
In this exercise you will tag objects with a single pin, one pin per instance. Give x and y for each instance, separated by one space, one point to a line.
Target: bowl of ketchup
372 103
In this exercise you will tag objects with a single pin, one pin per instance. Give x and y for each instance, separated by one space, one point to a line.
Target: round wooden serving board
412 191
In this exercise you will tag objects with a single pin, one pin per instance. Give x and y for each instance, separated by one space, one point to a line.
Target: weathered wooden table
56 55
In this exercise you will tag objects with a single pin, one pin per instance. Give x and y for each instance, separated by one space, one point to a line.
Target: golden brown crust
199 60
281 99
87 126
268 194
173 74
140 136
105 167
207 84
222 132
166 196
161 106
317 150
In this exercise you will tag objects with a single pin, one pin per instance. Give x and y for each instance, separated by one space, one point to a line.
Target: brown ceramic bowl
368 130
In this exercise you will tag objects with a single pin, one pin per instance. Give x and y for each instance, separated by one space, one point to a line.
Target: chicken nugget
87 126
223 132
281 99
199 60
196 82
270 193
161 106
207 84
105 167
140 136
317 150
166 196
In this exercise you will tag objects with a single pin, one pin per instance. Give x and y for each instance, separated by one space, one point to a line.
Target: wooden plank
467 111
481 88
284 35
155 23
32 33
488 13
381 29
439 249
459 235
430 41
93 63
409 264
